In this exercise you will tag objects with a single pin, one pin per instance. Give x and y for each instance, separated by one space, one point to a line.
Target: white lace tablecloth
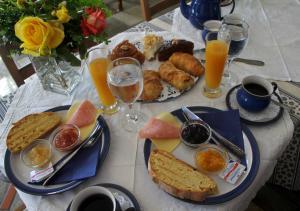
274 37
125 162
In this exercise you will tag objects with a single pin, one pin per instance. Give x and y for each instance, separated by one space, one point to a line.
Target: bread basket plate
226 191
18 174
136 38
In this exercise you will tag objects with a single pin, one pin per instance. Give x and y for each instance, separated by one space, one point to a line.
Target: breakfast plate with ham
207 173
70 127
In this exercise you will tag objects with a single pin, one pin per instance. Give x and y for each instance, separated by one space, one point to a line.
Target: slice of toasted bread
179 178
29 128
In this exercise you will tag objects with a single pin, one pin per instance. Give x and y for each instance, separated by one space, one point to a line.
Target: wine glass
217 47
125 80
238 29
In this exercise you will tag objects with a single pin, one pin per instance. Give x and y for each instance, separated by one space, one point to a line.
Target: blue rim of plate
247 181
65 187
120 188
250 122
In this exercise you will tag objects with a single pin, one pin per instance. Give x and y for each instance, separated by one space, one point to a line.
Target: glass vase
57 76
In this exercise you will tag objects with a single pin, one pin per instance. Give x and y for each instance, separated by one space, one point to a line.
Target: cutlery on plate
218 137
242 60
91 140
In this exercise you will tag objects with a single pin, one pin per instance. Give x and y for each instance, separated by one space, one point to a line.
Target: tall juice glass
217 45
97 62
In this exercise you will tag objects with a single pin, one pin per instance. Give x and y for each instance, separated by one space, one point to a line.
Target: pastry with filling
166 50
151 44
177 78
127 49
187 63
152 86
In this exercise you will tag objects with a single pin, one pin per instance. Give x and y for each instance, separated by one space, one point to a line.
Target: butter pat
38 175
232 172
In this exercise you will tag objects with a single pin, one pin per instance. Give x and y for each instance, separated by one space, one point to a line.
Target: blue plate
49 190
243 185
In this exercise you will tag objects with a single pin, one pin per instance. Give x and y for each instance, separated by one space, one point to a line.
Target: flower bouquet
51 32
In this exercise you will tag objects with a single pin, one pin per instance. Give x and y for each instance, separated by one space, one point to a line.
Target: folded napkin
228 124
82 165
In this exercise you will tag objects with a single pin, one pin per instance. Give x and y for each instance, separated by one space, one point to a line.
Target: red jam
66 138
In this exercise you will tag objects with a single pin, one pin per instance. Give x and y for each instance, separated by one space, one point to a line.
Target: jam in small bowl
37 154
194 133
66 137
211 159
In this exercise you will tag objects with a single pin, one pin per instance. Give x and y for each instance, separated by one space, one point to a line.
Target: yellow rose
38 36
63 14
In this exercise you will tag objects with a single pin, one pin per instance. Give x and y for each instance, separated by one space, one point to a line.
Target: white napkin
261 43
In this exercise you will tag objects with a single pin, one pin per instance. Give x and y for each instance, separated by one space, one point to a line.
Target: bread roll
177 78
179 178
30 128
187 63
152 85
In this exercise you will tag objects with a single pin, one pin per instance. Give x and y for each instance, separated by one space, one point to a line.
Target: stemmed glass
125 80
238 29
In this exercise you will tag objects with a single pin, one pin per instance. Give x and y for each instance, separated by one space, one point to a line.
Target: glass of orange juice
216 52
97 61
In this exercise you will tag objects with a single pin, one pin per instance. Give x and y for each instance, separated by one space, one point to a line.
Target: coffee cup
255 93
210 26
92 198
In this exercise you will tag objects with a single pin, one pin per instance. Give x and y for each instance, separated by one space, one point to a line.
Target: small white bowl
206 147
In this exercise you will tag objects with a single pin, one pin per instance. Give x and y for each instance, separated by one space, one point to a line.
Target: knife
89 141
218 137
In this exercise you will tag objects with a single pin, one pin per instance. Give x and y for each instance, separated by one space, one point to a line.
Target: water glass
125 80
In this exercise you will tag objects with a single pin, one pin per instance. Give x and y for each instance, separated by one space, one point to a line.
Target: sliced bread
29 128
179 178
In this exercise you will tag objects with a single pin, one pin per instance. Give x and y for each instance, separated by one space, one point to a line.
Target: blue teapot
202 10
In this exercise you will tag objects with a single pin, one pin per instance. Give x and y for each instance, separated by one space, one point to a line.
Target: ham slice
156 128
84 115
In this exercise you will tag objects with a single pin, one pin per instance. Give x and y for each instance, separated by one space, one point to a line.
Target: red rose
94 23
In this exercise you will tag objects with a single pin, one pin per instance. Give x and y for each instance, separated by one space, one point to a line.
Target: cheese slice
167 144
84 131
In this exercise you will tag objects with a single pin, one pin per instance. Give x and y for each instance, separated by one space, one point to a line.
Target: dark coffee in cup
255 93
94 202
94 198
256 89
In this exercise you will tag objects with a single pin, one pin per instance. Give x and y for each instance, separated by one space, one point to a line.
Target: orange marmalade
210 160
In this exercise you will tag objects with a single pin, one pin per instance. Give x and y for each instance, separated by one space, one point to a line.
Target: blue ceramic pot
251 101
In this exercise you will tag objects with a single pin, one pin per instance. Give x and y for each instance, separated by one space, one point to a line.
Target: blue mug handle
232 9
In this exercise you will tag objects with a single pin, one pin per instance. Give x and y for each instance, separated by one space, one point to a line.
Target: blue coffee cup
255 93
210 26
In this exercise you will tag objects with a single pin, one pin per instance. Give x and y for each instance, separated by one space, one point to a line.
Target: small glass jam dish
37 155
211 159
65 137
194 133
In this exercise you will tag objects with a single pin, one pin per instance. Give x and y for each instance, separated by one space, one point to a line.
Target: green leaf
82 50
66 55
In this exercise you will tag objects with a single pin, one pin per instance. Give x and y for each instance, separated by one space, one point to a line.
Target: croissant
126 49
187 63
177 78
152 85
